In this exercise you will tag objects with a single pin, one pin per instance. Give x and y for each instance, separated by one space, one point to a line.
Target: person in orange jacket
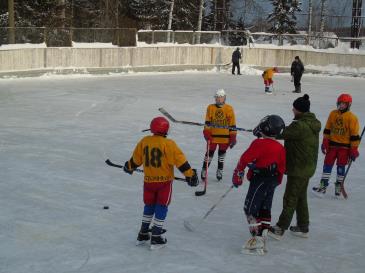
340 143
268 75
219 114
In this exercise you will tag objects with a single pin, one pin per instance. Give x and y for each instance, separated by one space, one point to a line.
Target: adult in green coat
301 140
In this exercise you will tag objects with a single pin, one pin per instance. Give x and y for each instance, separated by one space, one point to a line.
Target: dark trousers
297 78
234 65
295 200
258 203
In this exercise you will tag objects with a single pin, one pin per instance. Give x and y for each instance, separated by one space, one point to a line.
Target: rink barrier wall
99 60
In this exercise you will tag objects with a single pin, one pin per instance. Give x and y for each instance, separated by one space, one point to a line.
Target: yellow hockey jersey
342 129
268 74
221 116
159 155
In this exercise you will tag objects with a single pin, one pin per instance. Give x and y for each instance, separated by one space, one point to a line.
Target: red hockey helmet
344 98
159 126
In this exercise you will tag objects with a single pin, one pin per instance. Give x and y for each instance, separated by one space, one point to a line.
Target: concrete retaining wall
176 58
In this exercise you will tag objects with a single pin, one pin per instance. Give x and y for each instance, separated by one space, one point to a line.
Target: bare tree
309 21
11 22
170 19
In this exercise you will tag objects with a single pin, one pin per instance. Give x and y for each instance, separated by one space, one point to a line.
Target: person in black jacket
236 56
297 69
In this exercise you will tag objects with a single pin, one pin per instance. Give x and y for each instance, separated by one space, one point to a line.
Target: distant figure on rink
268 75
219 114
340 143
236 56
158 155
265 159
297 70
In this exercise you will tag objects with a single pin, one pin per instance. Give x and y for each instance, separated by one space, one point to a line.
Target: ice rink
57 131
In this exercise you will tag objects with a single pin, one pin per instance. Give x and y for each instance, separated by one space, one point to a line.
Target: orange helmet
160 126
344 98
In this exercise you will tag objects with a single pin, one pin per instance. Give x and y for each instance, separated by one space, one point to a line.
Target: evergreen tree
283 19
38 13
86 13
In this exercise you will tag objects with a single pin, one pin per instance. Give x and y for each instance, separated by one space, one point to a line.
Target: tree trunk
170 21
309 21
11 32
200 20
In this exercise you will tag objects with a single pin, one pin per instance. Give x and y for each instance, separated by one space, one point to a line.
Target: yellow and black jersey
221 116
159 155
268 74
342 129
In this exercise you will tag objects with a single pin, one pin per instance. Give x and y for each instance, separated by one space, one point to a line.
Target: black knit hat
302 104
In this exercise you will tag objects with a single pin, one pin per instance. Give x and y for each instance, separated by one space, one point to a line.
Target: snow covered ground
56 133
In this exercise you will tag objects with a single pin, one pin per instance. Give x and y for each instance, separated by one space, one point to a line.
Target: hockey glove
193 181
354 153
237 178
232 140
325 145
207 135
126 168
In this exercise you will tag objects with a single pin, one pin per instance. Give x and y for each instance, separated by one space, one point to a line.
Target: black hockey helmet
271 126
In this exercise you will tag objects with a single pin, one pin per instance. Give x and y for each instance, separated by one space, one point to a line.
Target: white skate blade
300 234
140 243
155 247
256 252
318 194
274 236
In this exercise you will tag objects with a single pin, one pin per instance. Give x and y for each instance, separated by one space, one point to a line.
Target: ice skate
276 232
219 174
203 173
338 190
254 246
157 242
320 190
299 231
142 238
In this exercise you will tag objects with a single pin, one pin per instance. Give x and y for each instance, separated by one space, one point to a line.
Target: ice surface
56 133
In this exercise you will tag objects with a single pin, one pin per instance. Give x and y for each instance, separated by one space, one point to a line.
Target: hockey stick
343 191
168 115
191 227
108 162
200 193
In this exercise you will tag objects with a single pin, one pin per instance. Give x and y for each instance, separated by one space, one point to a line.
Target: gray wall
169 58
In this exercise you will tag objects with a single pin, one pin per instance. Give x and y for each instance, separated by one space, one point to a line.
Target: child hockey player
340 143
221 114
266 161
267 76
158 155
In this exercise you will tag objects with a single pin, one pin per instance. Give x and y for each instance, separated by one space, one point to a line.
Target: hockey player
265 159
268 75
158 155
340 143
221 114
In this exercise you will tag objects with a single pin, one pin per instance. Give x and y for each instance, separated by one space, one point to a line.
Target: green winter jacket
301 141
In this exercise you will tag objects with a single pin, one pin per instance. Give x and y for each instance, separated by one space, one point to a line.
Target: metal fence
130 37
65 36
179 37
